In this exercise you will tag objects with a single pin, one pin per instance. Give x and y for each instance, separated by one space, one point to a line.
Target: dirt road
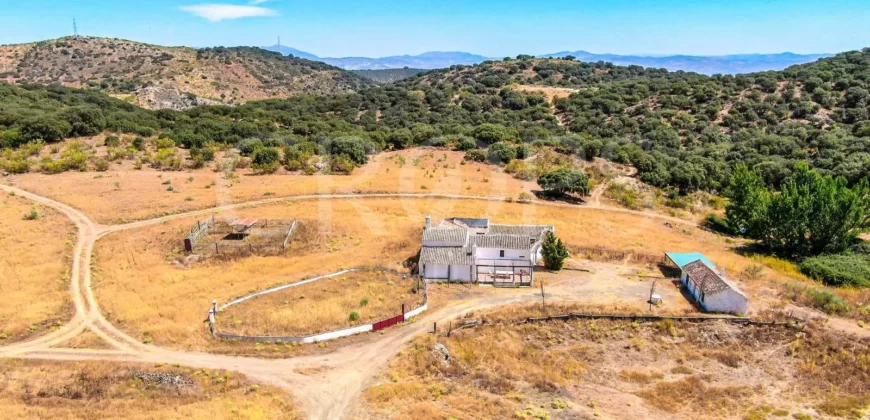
324 386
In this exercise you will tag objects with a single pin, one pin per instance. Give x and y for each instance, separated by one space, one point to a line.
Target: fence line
331 335
688 318
289 234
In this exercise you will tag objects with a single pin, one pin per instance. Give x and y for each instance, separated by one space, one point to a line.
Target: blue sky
488 27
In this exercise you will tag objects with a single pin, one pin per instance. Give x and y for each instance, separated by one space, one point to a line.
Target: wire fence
220 237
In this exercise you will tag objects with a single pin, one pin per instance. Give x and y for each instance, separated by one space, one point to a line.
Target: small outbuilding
707 285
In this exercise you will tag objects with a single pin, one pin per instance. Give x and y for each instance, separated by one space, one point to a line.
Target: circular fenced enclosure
328 304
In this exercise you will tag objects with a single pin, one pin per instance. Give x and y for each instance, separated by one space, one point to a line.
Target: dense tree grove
683 131
813 214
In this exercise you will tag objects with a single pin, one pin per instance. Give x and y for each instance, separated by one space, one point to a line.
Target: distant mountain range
725 64
427 60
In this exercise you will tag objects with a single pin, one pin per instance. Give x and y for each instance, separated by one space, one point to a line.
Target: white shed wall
726 301
509 254
460 273
435 271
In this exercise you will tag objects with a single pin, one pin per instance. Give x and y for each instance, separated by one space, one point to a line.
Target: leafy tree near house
564 181
813 214
748 202
554 252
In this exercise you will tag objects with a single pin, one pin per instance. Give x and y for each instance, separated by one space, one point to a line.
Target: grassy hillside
169 77
388 75
683 131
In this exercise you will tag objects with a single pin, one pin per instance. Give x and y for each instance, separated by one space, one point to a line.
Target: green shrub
475 155
167 159
51 166
31 215
465 144
839 269
624 195
165 143
353 148
101 164
265 156
523 151
341 164
139 143
364 302
17 166
501 153
718 224
248 146
563 181
112 141
353 316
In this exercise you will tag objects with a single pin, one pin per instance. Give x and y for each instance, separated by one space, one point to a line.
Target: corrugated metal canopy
682 259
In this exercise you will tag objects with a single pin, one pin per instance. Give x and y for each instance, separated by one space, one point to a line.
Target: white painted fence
332 335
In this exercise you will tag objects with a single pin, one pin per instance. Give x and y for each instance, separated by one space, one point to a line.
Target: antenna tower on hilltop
75 28
279 43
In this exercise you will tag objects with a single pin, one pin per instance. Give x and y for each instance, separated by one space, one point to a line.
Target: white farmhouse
476 251
707 285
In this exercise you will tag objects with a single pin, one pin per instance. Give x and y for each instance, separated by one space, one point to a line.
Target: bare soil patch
101 390
333 303
126 194
621 369
34 268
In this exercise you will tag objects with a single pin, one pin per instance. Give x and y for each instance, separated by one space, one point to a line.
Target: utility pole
279 44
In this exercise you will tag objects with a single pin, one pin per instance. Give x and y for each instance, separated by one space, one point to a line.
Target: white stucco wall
460 273
435 271
726 301
509 254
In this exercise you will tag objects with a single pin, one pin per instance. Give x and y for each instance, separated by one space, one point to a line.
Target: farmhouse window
501 254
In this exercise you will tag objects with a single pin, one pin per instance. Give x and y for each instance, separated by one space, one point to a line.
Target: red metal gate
388 322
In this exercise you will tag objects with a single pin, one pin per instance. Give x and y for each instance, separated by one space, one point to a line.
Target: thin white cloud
216 12
256 2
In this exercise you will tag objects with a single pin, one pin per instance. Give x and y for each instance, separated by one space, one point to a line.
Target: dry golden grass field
125 195
143 288
100 390
34 268
621 369
324 305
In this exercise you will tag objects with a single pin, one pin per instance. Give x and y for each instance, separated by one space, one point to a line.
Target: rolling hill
171 77
681 131
388 75
428 60
723 64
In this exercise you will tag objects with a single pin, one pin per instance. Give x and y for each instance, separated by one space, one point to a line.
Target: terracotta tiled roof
706 279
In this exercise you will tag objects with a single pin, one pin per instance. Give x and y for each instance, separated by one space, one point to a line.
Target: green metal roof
681 259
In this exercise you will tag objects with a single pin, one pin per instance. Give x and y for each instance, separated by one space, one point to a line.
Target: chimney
428 221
